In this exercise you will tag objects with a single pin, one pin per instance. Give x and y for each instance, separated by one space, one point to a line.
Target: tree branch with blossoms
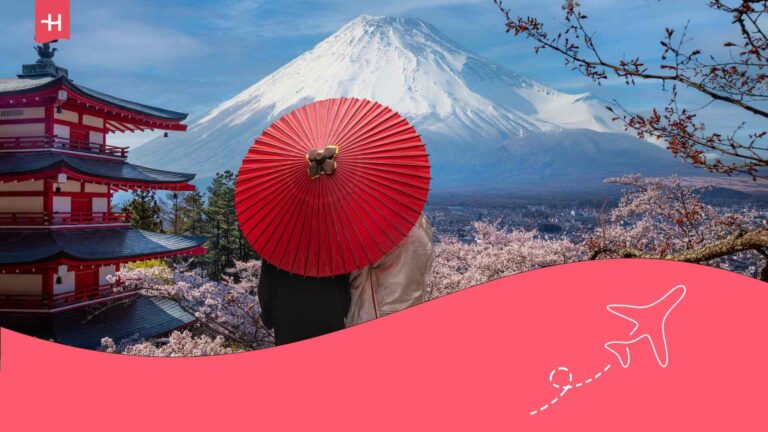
740 80
665 219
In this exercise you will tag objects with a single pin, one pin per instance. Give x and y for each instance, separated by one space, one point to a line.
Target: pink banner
621 345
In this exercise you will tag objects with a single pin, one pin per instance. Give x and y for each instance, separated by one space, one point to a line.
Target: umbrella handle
322 161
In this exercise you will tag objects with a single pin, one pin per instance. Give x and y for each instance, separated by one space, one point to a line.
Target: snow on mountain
412 67
456 99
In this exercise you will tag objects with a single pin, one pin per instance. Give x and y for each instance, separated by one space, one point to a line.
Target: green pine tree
145 211
174 213
194 213
225 241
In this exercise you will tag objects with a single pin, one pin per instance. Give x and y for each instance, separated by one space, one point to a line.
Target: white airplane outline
614 346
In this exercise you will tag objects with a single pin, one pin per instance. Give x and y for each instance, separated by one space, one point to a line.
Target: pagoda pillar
48 275
47 196
49 109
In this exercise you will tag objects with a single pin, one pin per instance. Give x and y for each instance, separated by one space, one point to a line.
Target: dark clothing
300 307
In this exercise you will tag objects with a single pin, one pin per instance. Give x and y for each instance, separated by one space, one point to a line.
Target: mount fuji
485 127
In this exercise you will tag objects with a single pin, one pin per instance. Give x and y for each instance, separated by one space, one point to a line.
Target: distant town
573 221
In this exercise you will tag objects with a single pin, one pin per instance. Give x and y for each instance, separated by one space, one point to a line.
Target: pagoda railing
25 301
59 219
55 142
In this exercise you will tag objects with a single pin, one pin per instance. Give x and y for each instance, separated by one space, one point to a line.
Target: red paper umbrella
332 186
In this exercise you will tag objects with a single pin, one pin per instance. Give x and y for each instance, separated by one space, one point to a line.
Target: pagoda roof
18 164
22 85
91 245
18 85
143 317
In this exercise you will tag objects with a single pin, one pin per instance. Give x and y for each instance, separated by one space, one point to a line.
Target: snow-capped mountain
470 111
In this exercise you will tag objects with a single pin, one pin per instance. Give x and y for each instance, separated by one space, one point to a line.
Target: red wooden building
59 238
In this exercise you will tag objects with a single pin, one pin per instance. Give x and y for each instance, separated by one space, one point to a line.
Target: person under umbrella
395 282
299 307
311 307
329 188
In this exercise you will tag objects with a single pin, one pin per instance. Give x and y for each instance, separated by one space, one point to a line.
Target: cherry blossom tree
664 218
228 309
494 253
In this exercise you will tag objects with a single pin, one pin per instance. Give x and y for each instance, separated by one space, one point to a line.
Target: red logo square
51 20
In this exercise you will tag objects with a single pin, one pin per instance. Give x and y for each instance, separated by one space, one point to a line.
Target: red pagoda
59 238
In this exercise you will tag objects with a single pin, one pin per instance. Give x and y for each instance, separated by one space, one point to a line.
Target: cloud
258 19
107 38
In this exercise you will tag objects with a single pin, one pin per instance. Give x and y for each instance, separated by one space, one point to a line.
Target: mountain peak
397 33
383 21
449 93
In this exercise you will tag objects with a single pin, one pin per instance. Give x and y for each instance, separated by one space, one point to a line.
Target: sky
192 55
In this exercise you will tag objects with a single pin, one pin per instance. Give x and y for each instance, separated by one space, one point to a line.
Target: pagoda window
22 130
104 272
100 205
67 284
61 131
21 204
70 186
93 121
95 137
24 186
62 204
68 116
15 112
21 284
22 113
96 188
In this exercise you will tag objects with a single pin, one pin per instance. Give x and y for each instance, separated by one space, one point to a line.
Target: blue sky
192 55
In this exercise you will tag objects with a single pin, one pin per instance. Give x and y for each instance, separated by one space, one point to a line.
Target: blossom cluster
661 217
228 309
494 253
178 344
